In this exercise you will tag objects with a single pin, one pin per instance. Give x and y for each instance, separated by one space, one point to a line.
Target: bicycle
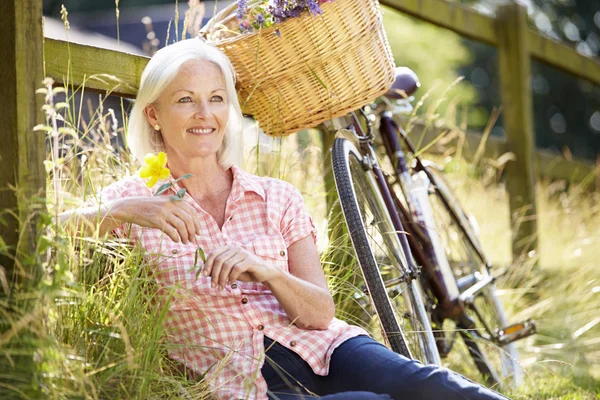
419 274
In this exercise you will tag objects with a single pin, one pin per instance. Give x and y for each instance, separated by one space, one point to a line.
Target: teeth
200 130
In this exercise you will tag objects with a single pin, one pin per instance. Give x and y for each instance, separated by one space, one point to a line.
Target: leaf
202 255
176 198
186 176
181 193
199 253
67 131
162 188
58 89
198 270
42 127
61 105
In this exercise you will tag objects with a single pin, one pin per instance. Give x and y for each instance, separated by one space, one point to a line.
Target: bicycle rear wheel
497 364
396 298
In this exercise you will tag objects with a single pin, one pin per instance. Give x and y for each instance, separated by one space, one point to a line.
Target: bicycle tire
348 173
498 365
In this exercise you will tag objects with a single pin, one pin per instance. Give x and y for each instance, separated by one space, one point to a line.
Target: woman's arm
302 293
86 221
177 219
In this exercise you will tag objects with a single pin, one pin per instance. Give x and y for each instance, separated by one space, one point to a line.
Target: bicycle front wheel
396 298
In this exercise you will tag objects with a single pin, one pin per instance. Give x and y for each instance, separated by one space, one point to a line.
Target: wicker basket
315 69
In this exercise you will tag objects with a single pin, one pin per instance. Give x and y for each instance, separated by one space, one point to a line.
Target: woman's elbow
318 322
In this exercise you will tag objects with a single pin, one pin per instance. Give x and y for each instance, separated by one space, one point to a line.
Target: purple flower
313 7
242 7
277 11
245 26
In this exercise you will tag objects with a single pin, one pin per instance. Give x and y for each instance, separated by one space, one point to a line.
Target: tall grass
98 324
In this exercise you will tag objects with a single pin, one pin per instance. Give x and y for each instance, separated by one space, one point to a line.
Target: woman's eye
185 99
217 98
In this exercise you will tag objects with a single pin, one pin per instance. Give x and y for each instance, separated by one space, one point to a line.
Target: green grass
96 329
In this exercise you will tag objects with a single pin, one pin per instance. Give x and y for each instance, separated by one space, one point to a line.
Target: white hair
160 71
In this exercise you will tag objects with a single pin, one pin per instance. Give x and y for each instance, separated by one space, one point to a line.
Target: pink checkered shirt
221 333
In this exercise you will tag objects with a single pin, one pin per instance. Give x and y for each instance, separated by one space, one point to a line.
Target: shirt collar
245 182
242 182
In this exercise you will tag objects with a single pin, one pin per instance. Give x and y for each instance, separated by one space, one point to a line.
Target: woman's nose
203 110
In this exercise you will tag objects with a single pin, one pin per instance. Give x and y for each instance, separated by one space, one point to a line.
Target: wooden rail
99 70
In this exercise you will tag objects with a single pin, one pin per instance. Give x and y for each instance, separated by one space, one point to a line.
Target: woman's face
192 111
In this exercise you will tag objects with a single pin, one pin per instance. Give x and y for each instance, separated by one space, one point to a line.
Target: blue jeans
363 369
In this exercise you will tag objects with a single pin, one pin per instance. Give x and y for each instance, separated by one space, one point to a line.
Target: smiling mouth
201 131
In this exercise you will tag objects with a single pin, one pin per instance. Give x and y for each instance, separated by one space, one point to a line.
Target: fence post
515 70
22 189
23 150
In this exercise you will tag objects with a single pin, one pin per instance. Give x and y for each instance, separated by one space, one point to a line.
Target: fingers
194 217
240 272
209 264
230 266
182 230
217 267
188 220
171 231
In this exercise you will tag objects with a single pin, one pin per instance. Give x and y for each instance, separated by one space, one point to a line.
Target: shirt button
244 300
260 327
282 253
230 218
292 343
174 251
234 285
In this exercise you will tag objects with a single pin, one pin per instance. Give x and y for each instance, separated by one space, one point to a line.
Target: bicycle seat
405 85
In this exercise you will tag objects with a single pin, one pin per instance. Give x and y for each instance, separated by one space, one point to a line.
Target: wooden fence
23 63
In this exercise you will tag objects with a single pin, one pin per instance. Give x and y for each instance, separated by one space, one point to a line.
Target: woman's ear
151 114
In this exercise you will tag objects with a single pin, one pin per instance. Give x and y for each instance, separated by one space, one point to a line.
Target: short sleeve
296 222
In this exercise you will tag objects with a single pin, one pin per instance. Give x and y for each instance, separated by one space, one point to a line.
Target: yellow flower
154 168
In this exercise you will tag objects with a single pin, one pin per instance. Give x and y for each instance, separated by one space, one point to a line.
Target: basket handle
222 17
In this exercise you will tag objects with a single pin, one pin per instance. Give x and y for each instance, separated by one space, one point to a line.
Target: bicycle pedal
516 332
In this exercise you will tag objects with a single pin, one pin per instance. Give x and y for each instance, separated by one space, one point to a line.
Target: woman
262 285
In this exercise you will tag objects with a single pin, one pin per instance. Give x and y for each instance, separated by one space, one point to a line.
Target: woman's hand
178 219
230 263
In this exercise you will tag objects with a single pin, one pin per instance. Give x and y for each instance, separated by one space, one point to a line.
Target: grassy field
98 331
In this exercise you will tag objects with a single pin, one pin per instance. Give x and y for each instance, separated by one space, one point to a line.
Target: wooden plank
553 165
515 86
101 70
22 190
23 150
462 20
564 57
